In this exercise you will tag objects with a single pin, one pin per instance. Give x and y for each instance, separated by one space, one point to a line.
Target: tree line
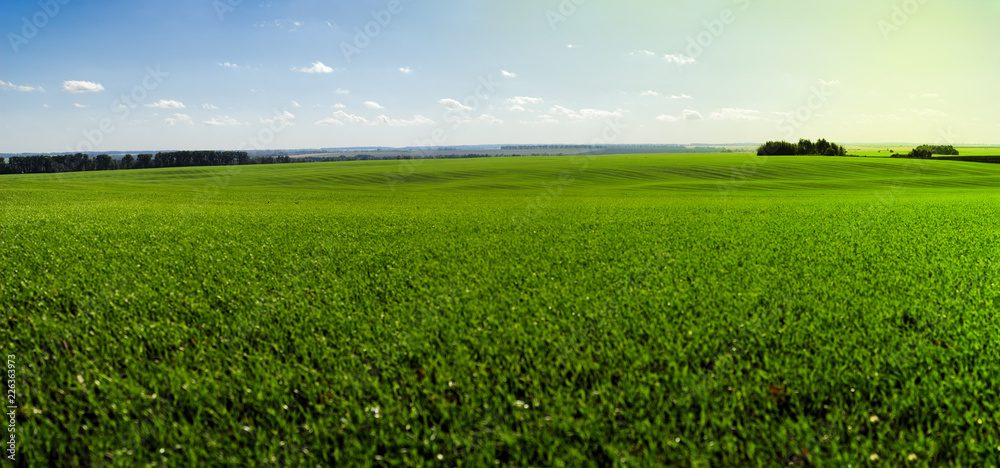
78 162
928 151
803 148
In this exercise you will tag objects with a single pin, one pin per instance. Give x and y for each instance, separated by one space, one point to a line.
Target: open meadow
694 310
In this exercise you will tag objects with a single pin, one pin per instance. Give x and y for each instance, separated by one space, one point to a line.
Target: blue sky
224 74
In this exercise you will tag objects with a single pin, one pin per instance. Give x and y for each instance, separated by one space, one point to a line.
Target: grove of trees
103 162
803 148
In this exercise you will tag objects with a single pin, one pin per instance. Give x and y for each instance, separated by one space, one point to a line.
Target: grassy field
709 310
886 151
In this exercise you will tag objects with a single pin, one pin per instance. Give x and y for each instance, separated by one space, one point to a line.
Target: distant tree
103 162
822 146
777 148
126 162
939 149
920 153
144 161
805 147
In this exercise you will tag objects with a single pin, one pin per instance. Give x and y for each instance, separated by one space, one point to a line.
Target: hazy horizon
231 74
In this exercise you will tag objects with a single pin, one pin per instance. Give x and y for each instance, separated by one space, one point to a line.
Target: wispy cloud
373 105
166 104
317 67
342 91
330 122
686 114
679 59
6 86
643 53
231 66
454 105
82 87
340 118
296 104
507 74
209 107
284 117
405 70
735 114
80 106
518 103
583 114
179 118
222 121
490 119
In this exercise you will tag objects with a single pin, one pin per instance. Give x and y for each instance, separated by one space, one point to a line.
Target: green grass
710 310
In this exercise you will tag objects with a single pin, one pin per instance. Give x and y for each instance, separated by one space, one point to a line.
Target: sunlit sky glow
489 72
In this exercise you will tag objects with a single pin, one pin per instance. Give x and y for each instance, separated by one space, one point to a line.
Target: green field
708 310
886 151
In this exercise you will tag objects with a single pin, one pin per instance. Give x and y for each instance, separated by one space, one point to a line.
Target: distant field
886 151
694 310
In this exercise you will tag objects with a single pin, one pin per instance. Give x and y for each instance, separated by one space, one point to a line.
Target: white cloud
231 66
339 106
342 91
165 104
19 88
490 119
296 104
330 122
179 118
350 117
340 117
80 106
643 53
417 120
373 105
222 120
454 105
405 70
209 107
672 96
45 106
507 74
687 114
518 103
284 117
583 114
541 119
679 59
82 87
317 67
735 114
